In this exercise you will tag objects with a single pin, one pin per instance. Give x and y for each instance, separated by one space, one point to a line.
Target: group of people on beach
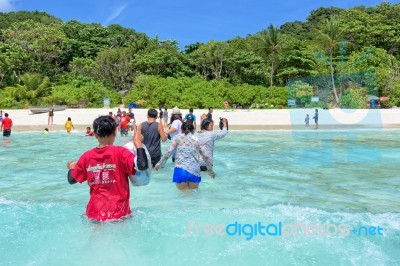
307 119
108 168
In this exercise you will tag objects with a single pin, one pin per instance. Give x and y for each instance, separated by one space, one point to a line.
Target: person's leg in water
187 185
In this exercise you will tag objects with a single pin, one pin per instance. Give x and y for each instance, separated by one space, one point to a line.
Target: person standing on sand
316 118
51 115
209 114
6 125
226 105
307 120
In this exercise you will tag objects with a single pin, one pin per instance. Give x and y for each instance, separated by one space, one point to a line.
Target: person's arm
171 130
71 166
220 134
207 160
170 150
161 132
139 128
142 162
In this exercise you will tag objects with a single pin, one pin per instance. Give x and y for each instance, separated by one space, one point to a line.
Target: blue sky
183 20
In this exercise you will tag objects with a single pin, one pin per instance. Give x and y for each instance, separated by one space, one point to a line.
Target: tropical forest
341 57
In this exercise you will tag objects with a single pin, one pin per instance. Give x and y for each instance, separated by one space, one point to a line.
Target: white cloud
114 15
6 5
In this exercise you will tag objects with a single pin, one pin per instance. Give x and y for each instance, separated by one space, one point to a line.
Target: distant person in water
187 151
175 125
45 131
316 118
89 132
68 125
106 168
153 133
6 125
207 138
191 118
165 117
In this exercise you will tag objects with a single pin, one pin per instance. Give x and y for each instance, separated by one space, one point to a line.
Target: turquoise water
325 178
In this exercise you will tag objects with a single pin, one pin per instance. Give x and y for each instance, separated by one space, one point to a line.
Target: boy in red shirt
106 168
6 125
124 124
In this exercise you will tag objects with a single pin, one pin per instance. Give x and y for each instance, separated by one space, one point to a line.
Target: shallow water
281 178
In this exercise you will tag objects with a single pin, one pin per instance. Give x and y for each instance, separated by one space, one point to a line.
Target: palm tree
272 40
330 37
33 88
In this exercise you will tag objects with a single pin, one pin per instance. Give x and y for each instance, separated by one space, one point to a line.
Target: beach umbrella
384 99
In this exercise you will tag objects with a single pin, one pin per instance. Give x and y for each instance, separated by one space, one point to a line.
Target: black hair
191 110
175 117
209 108
6 114
205 123
152 113
187 128
104 126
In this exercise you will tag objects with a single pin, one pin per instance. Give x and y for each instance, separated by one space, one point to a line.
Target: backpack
189 119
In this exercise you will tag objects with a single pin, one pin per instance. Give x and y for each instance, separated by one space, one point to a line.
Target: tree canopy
331 44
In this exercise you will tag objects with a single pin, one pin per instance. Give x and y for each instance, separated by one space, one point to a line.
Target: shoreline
60 128
267 119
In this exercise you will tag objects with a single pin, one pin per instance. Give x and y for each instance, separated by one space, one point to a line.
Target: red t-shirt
124 121
106 170
7 122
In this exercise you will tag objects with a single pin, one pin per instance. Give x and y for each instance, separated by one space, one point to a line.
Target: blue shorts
183 176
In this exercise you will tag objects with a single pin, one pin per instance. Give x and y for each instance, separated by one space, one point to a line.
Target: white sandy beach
24 120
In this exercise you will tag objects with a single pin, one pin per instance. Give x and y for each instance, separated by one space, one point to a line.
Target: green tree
330 36
44 43
114 66
164 61
210 59
272 42
32 89
13 61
